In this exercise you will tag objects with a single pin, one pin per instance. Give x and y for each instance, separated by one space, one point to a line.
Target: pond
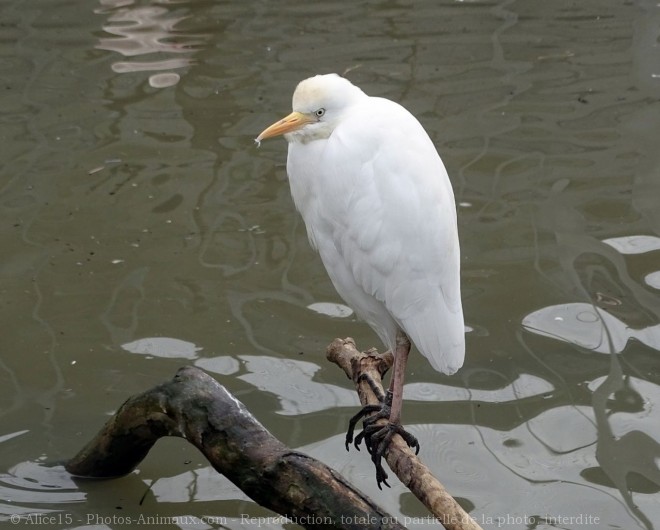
142 230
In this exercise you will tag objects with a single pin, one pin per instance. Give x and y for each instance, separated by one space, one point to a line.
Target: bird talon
358 441
377 438
377 459
381 477
367 409
410 439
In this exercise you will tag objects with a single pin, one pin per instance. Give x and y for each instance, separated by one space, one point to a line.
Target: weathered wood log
196 407
400 458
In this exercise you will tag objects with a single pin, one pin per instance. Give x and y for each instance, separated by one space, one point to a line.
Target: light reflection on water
145 231
146 31
589 327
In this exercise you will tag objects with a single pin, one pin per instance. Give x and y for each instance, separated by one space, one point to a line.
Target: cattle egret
379 209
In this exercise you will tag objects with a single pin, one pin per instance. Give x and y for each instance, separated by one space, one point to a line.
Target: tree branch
402 461
196 407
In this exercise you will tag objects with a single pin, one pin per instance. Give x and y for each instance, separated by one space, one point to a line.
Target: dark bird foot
380 441
377 436
366 410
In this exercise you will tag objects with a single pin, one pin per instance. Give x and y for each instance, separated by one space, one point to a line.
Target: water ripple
145 30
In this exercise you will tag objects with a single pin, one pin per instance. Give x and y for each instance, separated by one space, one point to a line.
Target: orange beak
292 122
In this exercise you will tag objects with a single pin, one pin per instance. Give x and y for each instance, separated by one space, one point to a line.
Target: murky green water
142 230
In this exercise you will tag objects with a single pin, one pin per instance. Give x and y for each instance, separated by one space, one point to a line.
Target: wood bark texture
400 458
194 406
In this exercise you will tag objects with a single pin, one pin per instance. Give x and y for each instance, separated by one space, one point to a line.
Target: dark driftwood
196 407
400 458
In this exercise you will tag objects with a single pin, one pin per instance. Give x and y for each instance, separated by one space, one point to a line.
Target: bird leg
376 435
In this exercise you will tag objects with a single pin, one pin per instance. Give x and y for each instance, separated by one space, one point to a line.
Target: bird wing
379 207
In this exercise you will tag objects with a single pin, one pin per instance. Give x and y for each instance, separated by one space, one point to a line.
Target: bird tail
440 340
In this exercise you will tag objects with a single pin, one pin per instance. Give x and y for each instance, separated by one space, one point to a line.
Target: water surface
142 230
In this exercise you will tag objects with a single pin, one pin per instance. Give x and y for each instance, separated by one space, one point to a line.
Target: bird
379 208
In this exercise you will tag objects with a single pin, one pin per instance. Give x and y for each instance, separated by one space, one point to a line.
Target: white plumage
379 208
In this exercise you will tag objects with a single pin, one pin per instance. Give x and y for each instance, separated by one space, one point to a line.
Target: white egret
379 208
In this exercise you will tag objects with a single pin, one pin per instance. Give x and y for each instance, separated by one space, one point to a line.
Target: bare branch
402 461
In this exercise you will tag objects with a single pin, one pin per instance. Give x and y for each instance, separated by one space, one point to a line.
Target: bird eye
320 113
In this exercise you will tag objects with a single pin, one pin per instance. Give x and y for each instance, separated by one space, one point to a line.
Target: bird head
318 104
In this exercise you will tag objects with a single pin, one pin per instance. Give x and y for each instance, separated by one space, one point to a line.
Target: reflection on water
201 485
291 381
634 244
628 457
148 30
523 387
588 327
166 347
331 310
624 420
653 279
144 231
35 487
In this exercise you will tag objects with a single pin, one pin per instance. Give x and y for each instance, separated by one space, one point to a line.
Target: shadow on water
143 230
